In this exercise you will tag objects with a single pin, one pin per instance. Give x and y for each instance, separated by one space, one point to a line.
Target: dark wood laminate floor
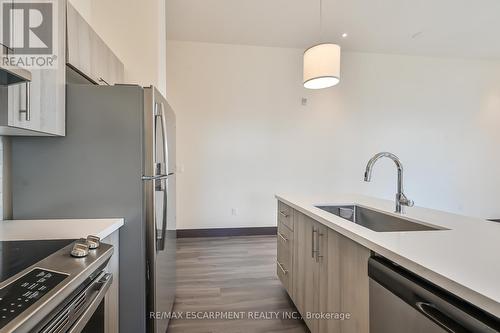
235 274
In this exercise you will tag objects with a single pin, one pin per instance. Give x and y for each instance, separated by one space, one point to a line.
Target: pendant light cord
320 21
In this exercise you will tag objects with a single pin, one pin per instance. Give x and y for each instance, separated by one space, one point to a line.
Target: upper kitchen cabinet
88 53
36 107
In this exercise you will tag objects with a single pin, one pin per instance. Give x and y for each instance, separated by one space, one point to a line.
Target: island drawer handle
282 237
285 272
283 214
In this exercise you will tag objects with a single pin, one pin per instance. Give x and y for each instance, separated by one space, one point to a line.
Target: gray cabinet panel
329 280
46 114
89 54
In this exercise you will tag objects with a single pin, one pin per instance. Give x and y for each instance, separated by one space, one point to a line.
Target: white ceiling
456 28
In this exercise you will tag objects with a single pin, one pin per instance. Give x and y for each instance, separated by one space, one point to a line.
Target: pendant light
321 62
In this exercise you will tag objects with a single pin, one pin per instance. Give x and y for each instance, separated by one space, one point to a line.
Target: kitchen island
461 256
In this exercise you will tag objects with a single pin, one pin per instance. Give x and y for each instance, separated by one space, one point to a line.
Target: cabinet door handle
318 244
282 237
285 272
283 214
27 100
313 238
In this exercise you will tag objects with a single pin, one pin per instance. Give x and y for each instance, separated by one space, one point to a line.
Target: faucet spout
401 199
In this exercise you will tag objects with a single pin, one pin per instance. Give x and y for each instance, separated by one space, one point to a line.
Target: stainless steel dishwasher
401 301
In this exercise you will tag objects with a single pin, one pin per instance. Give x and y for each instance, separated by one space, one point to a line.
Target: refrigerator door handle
163 231
164 176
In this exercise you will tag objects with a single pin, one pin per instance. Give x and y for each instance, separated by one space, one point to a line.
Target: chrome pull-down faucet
401 199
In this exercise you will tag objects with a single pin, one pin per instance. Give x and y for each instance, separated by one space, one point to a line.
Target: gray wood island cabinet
324 272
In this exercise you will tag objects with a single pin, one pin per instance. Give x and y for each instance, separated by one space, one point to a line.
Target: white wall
135 31
243 134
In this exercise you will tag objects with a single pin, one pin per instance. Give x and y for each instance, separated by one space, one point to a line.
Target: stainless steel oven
62 293
81 312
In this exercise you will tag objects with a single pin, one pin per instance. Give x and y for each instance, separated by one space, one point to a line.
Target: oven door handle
101 286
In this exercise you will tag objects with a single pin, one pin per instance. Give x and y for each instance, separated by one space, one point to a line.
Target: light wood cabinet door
354 282
310 269
48 86
88 53
306 270
79 51
39 107
322 261
329 301
332 282
344 286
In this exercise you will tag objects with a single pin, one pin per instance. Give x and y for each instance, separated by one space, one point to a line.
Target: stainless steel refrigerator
117 160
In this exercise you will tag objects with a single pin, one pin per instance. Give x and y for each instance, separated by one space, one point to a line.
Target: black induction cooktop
16 256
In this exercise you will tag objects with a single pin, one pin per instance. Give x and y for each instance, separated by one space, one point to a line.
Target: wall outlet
234 211
304 101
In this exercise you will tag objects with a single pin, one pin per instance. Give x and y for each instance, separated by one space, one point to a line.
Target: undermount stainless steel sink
375 220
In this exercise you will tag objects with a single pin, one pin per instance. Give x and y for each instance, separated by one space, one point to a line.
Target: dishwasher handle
432 312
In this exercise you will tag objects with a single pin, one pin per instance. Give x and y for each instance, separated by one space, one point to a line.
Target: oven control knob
80 249
93 241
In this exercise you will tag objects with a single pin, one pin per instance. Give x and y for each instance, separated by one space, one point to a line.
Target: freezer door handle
157 177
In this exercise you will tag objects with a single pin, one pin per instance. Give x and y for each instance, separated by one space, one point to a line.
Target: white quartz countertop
58 228
463 260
